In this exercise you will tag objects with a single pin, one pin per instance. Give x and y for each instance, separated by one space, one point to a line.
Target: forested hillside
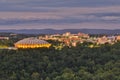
75 63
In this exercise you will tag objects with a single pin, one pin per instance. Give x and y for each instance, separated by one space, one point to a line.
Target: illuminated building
102 40
118 38
4 38
67 34
32 43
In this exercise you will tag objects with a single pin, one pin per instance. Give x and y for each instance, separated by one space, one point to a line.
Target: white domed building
32 43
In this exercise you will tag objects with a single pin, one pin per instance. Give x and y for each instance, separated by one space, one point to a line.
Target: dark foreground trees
76 63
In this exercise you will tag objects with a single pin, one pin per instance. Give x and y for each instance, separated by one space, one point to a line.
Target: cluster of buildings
73 39
66 39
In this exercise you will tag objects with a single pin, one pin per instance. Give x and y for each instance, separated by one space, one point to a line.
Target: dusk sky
59 14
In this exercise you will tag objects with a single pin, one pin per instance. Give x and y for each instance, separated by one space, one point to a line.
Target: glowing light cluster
32 43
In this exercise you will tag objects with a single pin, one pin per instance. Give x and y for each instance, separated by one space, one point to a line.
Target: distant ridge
53 31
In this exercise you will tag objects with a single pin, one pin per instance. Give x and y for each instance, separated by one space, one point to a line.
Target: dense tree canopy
75 63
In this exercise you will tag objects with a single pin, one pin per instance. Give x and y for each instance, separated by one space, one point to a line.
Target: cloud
38 21
65 12
63 3
64 26
59 13
113 18
34 5
63 16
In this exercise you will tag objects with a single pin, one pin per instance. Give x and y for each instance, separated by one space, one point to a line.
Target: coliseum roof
31 41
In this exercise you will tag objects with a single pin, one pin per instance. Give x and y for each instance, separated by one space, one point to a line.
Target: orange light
32 46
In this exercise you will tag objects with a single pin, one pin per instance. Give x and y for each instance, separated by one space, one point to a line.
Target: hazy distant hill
52 31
